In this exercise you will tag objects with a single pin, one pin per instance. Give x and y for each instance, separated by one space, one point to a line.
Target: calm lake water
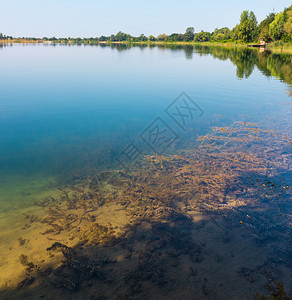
68 113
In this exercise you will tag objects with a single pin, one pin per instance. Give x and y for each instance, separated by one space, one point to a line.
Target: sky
92 18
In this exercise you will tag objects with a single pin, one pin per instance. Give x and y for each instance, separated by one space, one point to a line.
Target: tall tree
247 26
288 24
143 38
189 34
276 28
235 33
263 28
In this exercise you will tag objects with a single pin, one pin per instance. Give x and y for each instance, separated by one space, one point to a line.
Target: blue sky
63 18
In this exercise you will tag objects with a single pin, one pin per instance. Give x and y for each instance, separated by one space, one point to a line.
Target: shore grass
280 47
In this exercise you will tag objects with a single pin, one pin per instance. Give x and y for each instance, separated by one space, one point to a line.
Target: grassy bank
280 47
6 41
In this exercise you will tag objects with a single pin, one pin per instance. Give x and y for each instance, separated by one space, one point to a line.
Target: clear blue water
66 107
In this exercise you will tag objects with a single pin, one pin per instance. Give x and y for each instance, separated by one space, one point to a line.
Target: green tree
221 34
276 28
263 28
162 37
202 36
103 38
189 34
248 25
143 38
235 33
265 34
121 36
151 38
288 24
176 37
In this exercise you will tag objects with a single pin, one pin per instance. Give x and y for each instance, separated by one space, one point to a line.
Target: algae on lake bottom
203 223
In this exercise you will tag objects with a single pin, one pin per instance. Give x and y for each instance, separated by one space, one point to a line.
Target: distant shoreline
285 48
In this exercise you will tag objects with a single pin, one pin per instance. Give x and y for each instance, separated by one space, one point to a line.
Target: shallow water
69 113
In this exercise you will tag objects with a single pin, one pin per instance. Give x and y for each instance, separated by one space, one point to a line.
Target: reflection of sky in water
64 107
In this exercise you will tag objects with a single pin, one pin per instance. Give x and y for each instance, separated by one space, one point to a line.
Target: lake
130 172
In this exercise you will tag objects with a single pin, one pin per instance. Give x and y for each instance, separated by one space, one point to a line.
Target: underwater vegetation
173 228
276 290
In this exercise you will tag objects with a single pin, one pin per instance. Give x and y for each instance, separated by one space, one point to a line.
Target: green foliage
189 34
221 34
162 37
120 37
4 37
151 38
141 38
103 38
263 28
235 33
288 25
265 34
276 28
247 27
176 37
202 36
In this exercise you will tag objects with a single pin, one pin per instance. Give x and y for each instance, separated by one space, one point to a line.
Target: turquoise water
69 112
63 109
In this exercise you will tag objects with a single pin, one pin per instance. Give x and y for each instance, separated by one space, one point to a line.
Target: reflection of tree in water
279 66
120 47
244 59
262 63
270 64
3 45
189 50
245 62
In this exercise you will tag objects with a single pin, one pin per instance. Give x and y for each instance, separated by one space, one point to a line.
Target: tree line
4 37
275 27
